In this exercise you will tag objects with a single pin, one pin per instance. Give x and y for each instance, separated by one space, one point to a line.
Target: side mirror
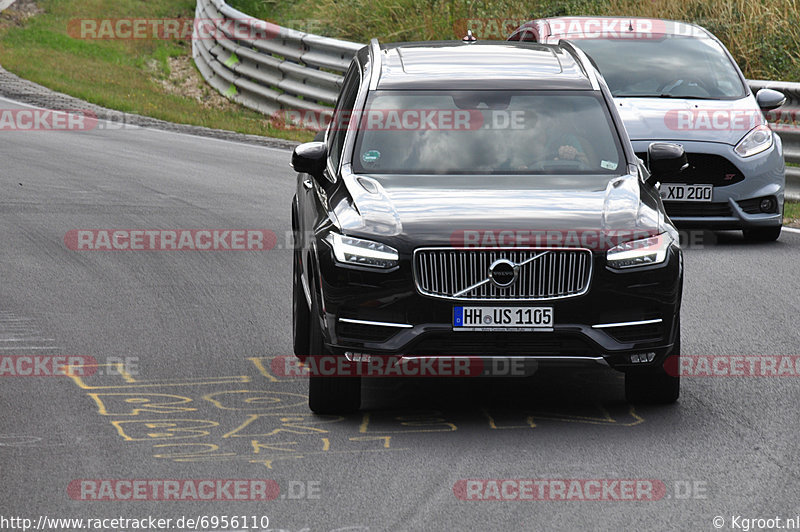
310 158
665 160
768 99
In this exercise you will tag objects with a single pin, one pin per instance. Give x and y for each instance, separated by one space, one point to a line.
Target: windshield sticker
608 165
370 156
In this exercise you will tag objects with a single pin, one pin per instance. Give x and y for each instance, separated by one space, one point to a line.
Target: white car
695 95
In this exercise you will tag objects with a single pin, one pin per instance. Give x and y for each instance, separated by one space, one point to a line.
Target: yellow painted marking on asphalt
362 428
266 463
255 400
292 424
210 449
218 458
637 419
311 453
529 423
417 420
605 419
258 362
132 404
386 440
257 446
164 428
261 417
605 416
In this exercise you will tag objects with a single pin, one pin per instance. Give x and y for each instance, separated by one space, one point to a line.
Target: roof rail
375 55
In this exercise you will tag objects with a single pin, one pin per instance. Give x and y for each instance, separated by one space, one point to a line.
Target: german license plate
683 192
503 318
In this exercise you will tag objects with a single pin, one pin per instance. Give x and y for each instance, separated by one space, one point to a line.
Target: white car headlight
757 140
359 252
642 252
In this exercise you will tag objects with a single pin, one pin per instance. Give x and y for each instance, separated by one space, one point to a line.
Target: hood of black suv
433 212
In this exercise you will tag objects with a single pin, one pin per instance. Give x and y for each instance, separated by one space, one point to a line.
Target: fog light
767 205
356 357
638 358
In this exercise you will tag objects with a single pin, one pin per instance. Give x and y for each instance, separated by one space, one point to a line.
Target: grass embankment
150 77
791 214
763 35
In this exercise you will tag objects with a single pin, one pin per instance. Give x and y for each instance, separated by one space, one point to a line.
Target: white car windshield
667 67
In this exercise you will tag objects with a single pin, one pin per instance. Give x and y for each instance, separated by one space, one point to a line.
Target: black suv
483 200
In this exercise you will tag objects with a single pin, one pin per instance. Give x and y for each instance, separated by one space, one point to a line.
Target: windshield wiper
663 95
667 95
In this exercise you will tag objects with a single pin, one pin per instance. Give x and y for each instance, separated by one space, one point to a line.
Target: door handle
308 184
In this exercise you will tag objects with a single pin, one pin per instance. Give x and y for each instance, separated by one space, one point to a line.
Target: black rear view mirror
310 158
665 160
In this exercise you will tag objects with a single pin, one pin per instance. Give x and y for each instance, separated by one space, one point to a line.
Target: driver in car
567 147
550 142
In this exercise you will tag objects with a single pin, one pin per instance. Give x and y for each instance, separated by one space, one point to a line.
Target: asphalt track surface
196 333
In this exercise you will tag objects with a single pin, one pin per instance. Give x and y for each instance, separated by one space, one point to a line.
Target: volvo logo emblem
503 272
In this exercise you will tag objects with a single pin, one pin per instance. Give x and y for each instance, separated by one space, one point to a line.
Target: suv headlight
757 140
642 252
359 252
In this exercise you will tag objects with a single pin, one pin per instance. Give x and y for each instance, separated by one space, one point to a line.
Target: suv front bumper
623 313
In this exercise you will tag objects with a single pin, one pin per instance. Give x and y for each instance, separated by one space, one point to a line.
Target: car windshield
487 132
667 67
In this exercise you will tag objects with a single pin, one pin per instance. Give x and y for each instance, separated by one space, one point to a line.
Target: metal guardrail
271 67
267 67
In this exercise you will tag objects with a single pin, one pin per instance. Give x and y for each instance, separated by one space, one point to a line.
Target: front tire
330 395
655 385
763 234
301 315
